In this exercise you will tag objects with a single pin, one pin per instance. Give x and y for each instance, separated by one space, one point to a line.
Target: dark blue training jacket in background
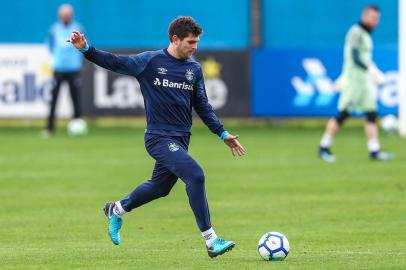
171 88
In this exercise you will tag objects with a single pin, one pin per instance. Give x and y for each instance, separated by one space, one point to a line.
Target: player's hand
78 40
338 83
235 146
377 75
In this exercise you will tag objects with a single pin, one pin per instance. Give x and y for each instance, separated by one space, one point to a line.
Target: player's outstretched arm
235 146
117 63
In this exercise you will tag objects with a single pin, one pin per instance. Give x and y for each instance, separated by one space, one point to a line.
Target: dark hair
373 7
182 26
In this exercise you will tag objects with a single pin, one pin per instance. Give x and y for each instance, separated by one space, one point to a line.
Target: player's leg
74 82
371 132
58 78
332 128
193 176
161 183
172 153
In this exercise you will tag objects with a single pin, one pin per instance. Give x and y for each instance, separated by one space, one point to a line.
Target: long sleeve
50 42
356 57
204 109
123 64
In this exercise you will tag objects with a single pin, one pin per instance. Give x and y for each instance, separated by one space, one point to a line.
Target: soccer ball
389 123
273 246
77 127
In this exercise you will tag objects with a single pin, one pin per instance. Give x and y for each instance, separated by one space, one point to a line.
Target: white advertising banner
26 83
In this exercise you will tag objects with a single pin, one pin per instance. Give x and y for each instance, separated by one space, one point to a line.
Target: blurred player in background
357 93
66 63
172 84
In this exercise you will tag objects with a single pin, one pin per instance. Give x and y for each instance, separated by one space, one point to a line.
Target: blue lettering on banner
26 90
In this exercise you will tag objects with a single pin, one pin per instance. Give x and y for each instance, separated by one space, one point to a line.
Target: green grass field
347 215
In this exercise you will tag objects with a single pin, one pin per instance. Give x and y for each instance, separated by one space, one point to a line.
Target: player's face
187 46
370 18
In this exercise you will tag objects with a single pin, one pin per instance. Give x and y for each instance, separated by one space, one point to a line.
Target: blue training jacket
171 88
65 58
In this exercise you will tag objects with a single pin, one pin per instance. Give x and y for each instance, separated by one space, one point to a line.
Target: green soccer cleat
326 155
381 156
219 247
114 221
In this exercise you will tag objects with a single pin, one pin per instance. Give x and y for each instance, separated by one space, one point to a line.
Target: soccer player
172 84
67 63
357 94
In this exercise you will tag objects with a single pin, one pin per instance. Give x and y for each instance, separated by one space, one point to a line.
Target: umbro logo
207 237
162 70
157 82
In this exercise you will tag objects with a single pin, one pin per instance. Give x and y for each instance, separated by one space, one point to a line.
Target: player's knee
341 117
371 117
198 176
164 192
